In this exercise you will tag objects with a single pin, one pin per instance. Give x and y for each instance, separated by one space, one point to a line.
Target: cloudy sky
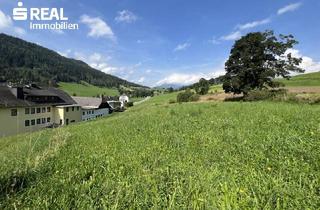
167 41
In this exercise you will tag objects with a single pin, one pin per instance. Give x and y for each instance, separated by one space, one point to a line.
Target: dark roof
8 99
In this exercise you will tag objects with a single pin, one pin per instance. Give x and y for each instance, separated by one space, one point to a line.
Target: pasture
217 155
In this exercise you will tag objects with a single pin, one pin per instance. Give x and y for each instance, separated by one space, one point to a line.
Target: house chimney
17 92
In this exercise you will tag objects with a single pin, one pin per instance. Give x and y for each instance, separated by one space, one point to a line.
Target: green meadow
214 155
86 89
311 79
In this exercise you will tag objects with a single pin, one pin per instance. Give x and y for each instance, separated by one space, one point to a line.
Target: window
60 122
33 122
48 109
43 120
38 121
83 113
67 121
67 110
73 108
72 121
38 110
27 111
27 123
48 119
43 109
14 112
92 112
33 110
78 108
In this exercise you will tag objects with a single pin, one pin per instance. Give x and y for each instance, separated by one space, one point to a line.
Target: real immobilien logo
37 17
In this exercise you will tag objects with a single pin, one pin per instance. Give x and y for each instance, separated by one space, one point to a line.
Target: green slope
85 89
311 79
22 61
170 156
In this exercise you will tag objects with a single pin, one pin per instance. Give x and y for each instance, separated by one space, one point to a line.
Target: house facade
31 108
93 108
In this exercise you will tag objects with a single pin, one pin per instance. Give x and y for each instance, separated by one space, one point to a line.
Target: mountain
22 61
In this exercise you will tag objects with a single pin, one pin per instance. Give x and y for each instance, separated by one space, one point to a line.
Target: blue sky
168 41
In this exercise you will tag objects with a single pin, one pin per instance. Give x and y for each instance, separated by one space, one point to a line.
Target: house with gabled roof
30 108
93 108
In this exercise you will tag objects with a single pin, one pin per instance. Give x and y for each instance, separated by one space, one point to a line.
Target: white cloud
289 8
148 71
181 79
102 63
19 30
125 16
5 20
98 27
233 36
7 24
180 47
213 41
308 63
141 80
65 53
253 24
97 61
139 41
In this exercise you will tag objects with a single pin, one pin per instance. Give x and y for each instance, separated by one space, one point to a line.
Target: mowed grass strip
158 155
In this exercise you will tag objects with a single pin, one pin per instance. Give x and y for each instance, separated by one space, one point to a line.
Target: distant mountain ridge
22 61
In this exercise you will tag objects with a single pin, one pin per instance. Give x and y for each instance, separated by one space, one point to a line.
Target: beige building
30 108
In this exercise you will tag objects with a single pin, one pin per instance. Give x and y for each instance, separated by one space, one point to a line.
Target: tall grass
232 155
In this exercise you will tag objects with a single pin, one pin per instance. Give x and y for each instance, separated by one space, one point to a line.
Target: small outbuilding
123 99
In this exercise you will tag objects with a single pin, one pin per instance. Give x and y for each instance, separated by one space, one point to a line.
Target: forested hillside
22 61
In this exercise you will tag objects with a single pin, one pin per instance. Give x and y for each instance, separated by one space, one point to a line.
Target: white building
123 99
92 108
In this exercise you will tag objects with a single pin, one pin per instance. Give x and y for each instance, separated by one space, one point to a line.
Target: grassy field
85 89
213 155
311 79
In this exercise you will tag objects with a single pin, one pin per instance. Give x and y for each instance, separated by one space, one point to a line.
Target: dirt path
315 89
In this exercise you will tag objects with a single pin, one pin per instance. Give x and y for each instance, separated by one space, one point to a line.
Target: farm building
123 99
93 108
30 108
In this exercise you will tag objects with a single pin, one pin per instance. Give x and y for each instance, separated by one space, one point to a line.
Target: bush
184 96
129 104
172 101
202 87
187 96
194 97
258 95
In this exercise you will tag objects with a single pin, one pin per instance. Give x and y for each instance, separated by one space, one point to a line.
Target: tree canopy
256 59
202 87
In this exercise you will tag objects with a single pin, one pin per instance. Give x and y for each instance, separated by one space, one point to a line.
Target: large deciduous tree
256 59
